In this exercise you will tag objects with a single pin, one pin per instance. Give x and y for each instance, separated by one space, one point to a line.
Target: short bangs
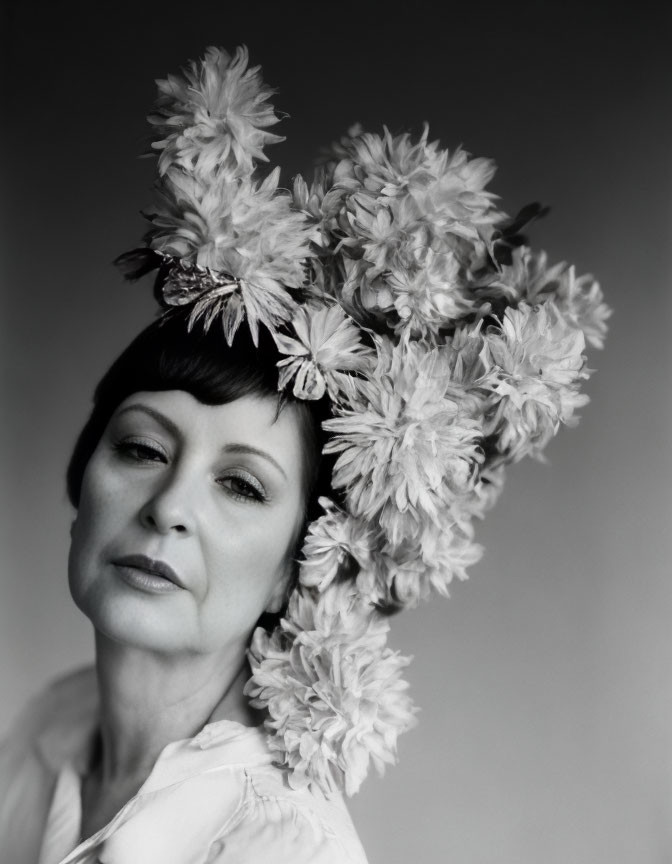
169 356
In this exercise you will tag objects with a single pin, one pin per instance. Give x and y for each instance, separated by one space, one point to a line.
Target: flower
486 491
333 691
337 546
581 302
470 363
326 346
530 279
412 223
246 231
342 548
539 365
425 300
213 117
243 228
401 575
406 445
309 201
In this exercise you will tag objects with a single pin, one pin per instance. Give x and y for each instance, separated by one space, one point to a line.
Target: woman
387 315
192 487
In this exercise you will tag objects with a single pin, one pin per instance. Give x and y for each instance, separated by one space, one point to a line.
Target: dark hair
169 356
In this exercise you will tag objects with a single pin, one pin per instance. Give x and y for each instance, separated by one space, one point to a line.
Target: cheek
88 521
96 521
247 565
247 570
83 555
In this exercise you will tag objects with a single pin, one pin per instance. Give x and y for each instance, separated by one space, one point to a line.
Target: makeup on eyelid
173 429
145 452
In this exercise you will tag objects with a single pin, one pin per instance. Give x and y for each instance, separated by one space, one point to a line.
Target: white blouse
212 799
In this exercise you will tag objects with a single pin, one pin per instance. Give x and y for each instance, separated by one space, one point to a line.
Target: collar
73 719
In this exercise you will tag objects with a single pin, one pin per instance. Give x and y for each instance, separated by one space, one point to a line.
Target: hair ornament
395 288
333 690
214 116
324 348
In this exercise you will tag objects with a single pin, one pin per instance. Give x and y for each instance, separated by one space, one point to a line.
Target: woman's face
188 520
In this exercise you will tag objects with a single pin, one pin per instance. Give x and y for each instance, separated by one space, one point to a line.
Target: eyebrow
168 424
254 451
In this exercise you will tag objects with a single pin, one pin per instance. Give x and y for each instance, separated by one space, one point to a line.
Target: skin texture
178 481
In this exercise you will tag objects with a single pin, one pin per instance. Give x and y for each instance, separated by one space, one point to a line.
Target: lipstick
148 574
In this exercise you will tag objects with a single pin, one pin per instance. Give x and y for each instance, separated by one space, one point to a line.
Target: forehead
253 421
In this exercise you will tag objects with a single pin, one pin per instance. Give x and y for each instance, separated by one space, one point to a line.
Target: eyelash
143 452
139 450
254 490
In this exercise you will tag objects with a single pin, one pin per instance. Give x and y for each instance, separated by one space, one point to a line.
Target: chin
136 620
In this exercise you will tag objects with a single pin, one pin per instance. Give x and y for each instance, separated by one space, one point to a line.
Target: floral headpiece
393 284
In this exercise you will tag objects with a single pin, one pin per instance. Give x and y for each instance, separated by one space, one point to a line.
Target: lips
150 566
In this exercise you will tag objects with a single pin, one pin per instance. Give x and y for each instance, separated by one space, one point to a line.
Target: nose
170 508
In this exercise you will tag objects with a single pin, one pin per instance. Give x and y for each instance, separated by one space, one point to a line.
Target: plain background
544 681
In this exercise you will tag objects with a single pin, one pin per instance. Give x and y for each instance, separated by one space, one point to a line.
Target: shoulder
49 731
280 824
56 720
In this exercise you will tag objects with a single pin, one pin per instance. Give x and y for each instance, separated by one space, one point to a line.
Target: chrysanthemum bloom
581 302
406 446
470 365
412 222
337 546
327 348
530 279
401 575
539 363
309 200
214 116
340 547
240 228
330 651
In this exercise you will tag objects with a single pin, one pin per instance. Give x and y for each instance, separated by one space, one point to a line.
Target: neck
149 700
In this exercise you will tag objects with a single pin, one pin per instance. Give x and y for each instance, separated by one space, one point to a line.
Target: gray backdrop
545 680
